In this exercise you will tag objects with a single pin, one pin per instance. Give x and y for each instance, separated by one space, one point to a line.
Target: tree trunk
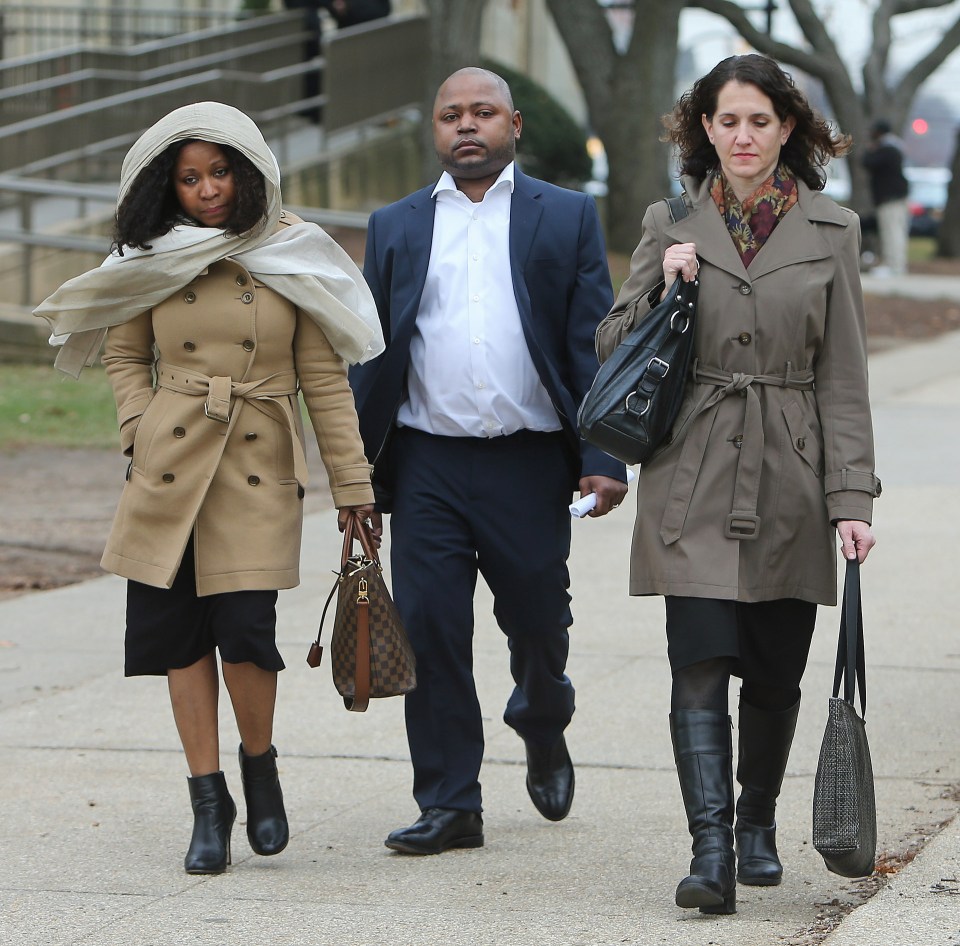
948 236
626 95
454 43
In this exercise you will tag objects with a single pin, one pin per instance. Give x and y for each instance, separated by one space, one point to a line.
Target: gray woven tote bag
844 805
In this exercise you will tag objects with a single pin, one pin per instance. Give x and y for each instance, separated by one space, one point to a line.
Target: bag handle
356 528
851 660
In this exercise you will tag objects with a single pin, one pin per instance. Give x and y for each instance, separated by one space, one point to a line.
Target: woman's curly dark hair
811 144
151 208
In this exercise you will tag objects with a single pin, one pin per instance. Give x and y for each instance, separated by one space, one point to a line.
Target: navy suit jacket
562 287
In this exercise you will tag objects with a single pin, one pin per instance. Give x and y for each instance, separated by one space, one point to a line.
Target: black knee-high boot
703 750
763 748
213 815
267 829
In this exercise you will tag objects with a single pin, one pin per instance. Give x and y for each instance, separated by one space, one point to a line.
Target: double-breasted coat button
744 338
250 436
738 441
190 346
247 345
253 480
801 443
745 289
179 432
168 477
247 298
300 491
241 280
189 297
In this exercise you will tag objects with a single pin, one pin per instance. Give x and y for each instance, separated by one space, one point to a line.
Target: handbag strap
851 660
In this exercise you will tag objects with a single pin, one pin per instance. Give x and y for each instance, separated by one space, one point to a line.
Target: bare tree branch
923 68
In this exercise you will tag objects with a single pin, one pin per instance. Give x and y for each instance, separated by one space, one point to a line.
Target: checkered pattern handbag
370 654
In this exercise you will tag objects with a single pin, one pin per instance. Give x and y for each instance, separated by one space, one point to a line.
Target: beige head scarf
301 261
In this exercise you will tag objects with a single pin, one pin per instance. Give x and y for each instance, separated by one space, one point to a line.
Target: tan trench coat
224 458
774 439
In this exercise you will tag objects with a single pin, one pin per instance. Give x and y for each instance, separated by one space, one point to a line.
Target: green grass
39 405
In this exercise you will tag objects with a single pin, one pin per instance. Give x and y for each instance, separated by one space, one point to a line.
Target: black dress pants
497 507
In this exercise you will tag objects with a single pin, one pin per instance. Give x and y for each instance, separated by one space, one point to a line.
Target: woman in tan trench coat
218 309
770 457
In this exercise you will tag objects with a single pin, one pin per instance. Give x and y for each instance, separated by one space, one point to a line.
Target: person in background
218 308
490 285
883 160
771 455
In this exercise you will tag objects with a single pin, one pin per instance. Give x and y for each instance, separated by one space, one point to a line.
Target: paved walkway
96 815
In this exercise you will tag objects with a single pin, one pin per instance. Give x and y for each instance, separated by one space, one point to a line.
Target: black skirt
769 640
172 628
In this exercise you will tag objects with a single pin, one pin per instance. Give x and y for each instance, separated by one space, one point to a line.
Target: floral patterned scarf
750 223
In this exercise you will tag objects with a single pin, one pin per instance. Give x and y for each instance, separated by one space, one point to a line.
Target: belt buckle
742 526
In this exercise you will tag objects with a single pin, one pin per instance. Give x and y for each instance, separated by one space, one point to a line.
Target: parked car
926 199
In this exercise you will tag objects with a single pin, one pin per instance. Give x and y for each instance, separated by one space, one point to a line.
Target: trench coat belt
743 521
274 389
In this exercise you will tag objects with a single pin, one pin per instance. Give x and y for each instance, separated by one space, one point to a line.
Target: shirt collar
447 183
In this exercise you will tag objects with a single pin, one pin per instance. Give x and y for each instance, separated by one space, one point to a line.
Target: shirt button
247 298
253 480
476 341
476 298
480 385
744 338
248 345
250 436
189 297
168 477
190 346
745 290
475 256
241 280
476 216
179 432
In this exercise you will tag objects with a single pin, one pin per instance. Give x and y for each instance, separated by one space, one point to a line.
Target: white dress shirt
470 372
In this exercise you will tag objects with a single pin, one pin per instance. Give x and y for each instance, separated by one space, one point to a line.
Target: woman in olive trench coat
218 309
772 448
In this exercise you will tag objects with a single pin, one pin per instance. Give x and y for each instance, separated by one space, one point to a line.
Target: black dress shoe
550 779
437 830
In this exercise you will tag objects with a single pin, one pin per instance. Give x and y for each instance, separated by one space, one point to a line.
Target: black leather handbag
844 804
635 398
636 395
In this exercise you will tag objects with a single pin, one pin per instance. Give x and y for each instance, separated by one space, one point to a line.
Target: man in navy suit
490 286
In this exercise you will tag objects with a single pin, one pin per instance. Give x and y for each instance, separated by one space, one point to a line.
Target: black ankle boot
703 751
763 749
213 815
267 828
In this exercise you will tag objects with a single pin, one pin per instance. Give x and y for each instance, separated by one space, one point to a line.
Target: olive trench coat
774 440
211 421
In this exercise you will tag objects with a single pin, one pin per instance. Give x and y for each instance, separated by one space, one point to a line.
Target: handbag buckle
658 367
742 526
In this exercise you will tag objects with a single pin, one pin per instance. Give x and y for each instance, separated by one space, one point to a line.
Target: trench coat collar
793 241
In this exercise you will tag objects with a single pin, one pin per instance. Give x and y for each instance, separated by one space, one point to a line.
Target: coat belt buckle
742 525
217 404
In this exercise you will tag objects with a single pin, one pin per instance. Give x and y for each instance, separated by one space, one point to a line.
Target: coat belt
220 391
743 521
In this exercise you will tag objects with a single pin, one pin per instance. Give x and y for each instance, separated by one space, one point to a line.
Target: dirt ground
58 503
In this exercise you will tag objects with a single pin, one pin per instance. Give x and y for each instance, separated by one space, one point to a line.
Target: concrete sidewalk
96 814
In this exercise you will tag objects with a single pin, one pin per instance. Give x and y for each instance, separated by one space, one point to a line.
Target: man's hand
610 493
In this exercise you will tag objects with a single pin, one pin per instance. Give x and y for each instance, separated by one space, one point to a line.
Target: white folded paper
583 505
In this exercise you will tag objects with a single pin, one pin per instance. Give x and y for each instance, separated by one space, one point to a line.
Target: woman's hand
366 511
680 259
856 539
